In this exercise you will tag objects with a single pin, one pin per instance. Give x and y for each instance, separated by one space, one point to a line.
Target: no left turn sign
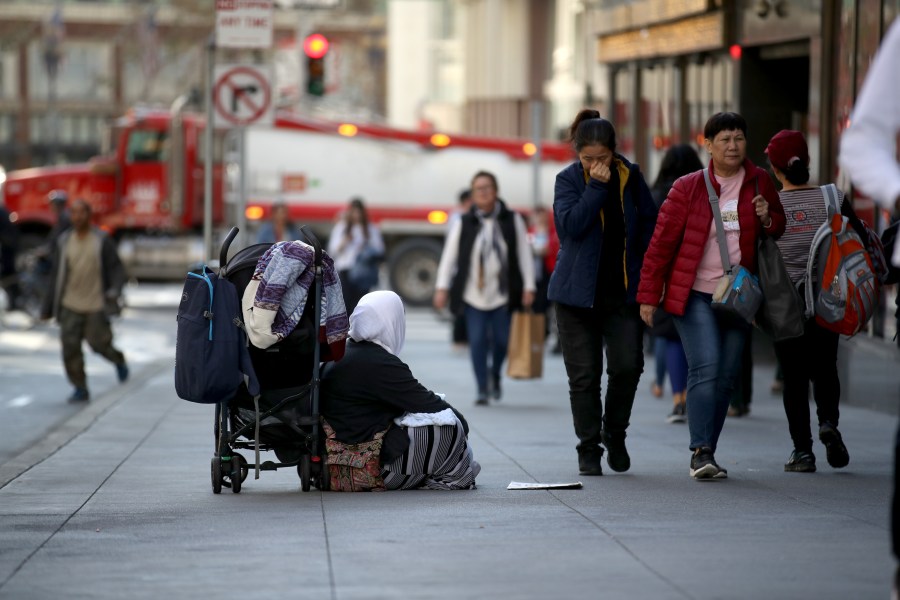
242 95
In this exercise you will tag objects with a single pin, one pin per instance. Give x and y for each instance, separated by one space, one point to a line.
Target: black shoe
801 461
80 395
703 465
496 391
678 415
616 454
481 401
122 372
835 450
589 461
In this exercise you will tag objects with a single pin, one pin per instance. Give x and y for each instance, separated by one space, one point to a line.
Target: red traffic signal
315 45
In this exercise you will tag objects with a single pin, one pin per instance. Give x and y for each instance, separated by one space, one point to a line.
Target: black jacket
363 392
506 219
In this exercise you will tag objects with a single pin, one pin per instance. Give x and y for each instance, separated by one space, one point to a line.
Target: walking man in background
489 252
86 281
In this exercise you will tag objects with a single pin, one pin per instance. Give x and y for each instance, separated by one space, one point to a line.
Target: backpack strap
717 217
208 314
832 202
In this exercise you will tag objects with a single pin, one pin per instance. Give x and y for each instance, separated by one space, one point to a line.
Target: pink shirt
710 270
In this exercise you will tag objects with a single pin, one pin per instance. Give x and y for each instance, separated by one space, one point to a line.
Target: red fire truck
147 187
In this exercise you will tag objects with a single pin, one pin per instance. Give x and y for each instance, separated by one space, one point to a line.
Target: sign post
208 149
236 95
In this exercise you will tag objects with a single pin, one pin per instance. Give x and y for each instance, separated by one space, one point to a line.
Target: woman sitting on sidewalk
371 398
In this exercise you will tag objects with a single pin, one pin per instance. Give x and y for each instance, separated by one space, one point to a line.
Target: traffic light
315 47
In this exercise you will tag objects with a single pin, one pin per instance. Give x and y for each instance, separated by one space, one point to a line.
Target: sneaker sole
705 472
799 468
671 419
722 474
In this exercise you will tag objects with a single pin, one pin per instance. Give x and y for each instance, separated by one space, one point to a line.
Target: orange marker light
438 217
529 149
348 129
254 213
440 140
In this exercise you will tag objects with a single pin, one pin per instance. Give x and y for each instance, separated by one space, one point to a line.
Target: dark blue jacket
578 215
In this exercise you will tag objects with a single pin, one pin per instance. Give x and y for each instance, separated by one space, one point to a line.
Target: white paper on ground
520 485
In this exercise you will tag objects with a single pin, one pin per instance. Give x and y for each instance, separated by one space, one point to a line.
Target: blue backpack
211 356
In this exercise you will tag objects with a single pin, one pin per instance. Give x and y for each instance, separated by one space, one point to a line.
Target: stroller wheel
216 475
237 476
320 475
304 470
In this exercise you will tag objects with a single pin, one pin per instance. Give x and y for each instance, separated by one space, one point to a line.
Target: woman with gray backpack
812 357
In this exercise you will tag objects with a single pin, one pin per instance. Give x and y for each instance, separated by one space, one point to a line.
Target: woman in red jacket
683 265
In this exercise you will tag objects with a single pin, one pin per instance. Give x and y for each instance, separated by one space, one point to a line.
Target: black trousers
583 332
810 358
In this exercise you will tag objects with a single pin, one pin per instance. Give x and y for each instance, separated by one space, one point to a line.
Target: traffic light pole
208 155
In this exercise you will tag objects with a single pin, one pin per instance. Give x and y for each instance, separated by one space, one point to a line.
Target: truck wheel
412 270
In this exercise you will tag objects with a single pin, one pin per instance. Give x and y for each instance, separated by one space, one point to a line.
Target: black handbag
781 314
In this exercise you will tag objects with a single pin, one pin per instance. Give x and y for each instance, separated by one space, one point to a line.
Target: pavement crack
331 582
90 497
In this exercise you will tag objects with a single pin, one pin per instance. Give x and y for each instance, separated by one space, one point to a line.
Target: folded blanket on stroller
274 299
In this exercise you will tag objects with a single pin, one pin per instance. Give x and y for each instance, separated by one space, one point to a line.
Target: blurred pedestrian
85 287
357 248
683 267
679 160
488 251
811 358
869 156
9 247
604 217
278 228
544 244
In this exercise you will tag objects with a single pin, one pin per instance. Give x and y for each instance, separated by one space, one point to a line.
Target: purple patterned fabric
286 275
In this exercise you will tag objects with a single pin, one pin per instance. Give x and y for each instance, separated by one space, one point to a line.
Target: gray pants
76 327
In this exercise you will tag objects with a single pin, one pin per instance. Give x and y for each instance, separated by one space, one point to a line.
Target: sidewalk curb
75 425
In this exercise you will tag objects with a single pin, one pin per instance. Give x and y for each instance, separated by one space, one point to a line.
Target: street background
113 499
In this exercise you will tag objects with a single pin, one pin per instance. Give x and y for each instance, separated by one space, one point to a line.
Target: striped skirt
438 458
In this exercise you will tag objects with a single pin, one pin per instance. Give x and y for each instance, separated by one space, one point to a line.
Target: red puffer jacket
682 230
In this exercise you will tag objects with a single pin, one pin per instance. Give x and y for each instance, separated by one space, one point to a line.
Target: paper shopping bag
526 345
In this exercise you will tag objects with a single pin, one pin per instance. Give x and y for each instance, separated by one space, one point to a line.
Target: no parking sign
242 95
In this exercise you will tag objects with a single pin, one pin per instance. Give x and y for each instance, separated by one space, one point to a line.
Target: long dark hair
364 220
589 129
679 160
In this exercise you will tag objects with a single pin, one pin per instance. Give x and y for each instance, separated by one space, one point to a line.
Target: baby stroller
284 418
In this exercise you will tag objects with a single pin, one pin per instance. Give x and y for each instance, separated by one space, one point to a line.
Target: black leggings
809 358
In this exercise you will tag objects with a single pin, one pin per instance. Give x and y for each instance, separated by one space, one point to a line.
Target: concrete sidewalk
124 509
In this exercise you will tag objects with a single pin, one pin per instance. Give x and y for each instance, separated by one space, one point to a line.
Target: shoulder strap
832 203
717 217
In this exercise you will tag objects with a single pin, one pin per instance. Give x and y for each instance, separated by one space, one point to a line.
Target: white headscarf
379 317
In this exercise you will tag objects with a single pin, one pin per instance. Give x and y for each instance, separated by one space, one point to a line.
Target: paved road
33 390
117 504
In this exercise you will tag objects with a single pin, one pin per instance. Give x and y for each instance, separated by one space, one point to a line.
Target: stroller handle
314 242
223 252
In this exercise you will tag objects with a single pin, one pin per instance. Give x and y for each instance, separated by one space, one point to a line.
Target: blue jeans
676 361
713 343
659 355
487 329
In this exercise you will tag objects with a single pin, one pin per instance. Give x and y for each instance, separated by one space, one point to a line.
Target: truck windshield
147 145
